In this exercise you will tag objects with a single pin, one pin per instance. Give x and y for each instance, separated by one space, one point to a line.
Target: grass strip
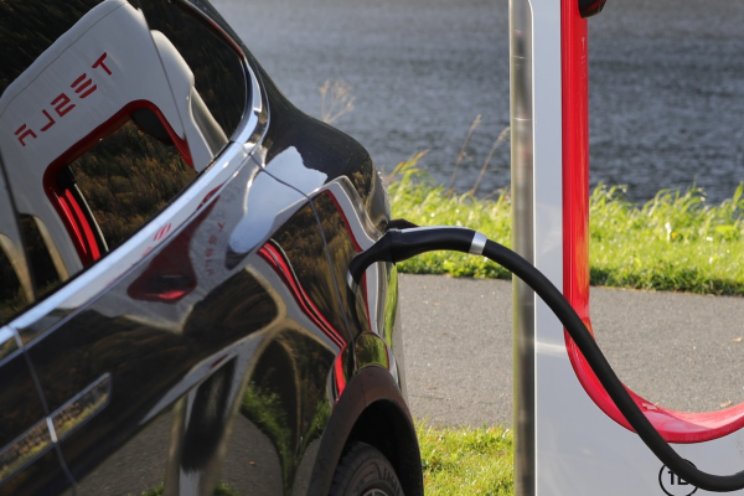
466 461
674 242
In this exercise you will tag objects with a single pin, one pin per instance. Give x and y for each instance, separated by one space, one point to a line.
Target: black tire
364 471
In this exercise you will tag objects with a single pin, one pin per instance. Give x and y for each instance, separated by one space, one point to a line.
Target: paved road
679 350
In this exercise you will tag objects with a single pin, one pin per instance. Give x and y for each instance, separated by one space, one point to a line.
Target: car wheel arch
372 410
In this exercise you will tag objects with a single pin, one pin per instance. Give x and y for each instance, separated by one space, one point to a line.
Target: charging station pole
570 439
533 60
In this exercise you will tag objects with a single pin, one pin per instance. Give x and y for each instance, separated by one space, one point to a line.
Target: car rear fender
371 410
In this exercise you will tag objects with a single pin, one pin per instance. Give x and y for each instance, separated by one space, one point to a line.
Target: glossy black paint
28 455
225 351
589 8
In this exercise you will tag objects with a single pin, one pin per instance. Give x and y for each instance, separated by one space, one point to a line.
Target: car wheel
364 471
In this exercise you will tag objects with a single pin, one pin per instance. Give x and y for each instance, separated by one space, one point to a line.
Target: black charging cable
399 244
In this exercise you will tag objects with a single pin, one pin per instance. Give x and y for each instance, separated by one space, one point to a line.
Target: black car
175 239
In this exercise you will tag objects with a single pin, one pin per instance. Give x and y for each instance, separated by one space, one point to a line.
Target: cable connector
400 244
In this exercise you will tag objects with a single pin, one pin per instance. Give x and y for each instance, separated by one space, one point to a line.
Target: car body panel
210 343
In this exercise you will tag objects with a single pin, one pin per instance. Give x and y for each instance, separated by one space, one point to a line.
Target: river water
666 76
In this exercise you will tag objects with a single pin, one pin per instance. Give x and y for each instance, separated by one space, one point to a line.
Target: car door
29 460
112 121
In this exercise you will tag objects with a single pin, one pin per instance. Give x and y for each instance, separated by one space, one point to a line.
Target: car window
108 112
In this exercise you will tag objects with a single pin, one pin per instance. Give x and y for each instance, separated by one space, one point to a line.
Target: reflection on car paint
262 196
8 343
62 104
276 258
193 331
40 438
25 439
17 291
24 449
77 411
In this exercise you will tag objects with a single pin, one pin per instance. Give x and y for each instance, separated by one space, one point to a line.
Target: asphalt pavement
679 350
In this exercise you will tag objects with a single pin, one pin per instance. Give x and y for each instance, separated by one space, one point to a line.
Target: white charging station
570 438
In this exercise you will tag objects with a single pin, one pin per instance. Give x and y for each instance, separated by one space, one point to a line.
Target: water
667 83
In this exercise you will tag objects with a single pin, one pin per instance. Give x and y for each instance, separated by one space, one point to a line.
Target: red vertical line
308 301
74 230
339 373
575 90
276 260
89 237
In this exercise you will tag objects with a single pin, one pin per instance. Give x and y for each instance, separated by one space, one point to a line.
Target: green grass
466 461
676 241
